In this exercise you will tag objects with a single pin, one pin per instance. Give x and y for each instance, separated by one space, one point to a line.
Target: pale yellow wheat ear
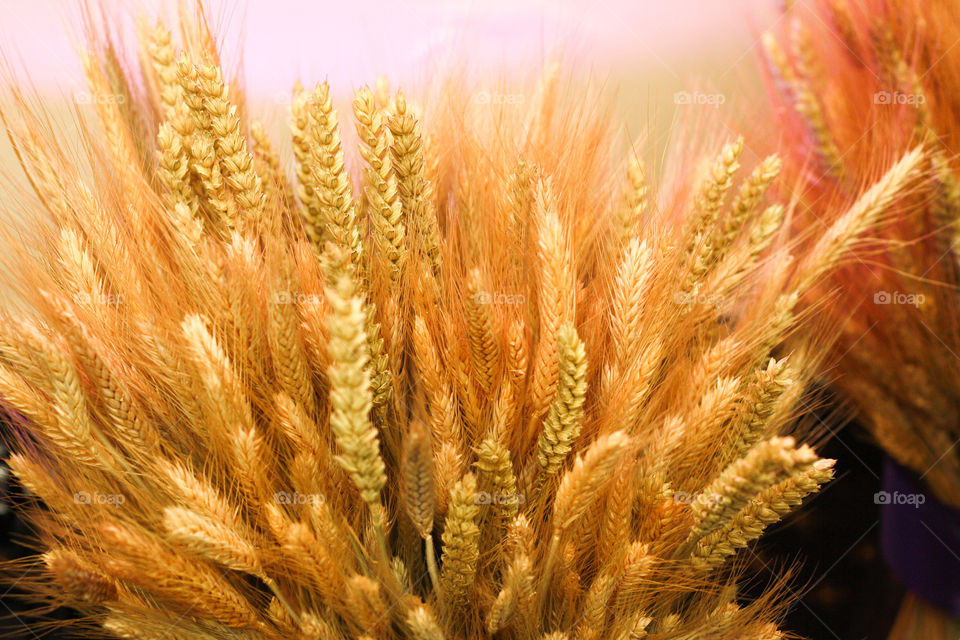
478 375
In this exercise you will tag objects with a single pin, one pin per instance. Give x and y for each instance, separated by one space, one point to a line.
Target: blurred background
663 62
652 55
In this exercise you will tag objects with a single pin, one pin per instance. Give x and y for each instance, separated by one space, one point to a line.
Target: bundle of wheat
497 390
891 84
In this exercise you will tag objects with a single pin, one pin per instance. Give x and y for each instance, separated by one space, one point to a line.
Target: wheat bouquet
891 84
486 384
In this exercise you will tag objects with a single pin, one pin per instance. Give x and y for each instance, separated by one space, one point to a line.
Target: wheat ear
415 191
460 544
418 490
78 578
350 395
562 424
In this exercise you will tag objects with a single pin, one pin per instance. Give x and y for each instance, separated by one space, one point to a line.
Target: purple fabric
921 538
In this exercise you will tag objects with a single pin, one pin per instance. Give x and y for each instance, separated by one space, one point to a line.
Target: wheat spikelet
589 473
415 191
380 185
631 214
763 466
333 218
863 214
231 146
116 131
768 507
460 543
77 578
289 360
715 186
163 59
423 624
748 197
211 540
495 472
630 291
174 162
180 580
562 424
553 298
760 402
418 481
807 103
204 164
350 395
484 342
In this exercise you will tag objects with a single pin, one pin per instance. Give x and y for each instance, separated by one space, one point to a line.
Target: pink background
350 43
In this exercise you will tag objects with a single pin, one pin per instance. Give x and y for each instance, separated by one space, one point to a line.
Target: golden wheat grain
350 394
415 191
460 544
562 424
